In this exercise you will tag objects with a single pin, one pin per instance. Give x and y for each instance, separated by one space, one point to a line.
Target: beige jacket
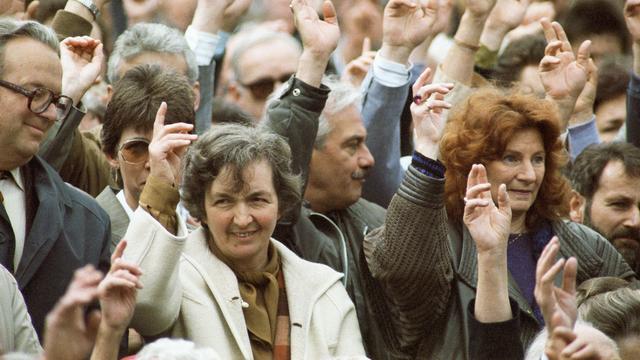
16 331
191 294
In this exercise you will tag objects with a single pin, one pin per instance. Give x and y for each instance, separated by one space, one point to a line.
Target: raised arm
417 292
405 26
563 73
294 115
210 17
458 64
156 234
494 327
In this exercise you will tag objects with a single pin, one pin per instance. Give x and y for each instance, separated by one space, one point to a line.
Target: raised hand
583 110
563 73
632 18
118 291
357 69
505 16
69 332
426 111
167 146
560 301
319 39
405 25
488 224
82 58
214 15
318 36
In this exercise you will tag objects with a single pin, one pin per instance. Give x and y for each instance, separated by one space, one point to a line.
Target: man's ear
577 207
196 96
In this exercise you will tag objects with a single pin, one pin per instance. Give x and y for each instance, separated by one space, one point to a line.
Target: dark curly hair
478 132
237 146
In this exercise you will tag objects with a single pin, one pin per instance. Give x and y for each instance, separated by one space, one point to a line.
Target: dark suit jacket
69 230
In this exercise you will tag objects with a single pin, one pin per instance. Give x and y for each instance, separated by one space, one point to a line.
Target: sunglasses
135 151
263 87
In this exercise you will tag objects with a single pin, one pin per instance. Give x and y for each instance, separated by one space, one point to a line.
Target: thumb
329 12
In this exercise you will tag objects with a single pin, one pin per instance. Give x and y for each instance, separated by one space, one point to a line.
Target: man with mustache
606 195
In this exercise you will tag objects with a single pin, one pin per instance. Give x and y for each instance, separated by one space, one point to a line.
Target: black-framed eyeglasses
135 151
40 99
263 87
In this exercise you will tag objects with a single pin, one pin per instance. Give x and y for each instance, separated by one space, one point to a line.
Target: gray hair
342 95
250 38
175 349
236 146
151 38
12 29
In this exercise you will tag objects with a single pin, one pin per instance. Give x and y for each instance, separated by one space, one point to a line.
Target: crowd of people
356 179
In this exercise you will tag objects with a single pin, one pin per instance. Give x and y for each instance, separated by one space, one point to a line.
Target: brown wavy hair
479 130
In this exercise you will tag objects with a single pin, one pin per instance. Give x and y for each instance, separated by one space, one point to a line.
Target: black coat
68 231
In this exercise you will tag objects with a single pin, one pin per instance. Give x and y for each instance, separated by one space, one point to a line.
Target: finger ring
417 99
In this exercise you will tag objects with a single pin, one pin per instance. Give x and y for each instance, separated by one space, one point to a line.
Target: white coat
191 294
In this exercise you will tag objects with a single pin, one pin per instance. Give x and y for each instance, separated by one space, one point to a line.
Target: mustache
359 174
626 232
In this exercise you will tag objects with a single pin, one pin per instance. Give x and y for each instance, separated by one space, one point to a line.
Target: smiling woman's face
241 222
521 167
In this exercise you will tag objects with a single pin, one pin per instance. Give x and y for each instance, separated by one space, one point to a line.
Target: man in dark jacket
47 228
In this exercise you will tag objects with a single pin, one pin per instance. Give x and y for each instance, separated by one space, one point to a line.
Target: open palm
488 224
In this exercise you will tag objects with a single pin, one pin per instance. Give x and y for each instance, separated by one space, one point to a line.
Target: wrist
493 257
427 150
311 67
399 54
492 37
207 18
470 29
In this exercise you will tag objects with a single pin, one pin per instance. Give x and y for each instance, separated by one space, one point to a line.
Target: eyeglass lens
262 88
136 151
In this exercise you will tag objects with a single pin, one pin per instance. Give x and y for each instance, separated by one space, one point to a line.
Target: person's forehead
28 61
615 180
130 133
271 59
175 62
257 176
347 123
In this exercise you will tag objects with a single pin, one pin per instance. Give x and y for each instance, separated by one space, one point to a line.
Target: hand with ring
427 110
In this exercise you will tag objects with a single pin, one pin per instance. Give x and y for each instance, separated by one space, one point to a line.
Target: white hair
175 349
146 37
342 95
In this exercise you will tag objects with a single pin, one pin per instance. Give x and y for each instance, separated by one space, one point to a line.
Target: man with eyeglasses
47 228
260 62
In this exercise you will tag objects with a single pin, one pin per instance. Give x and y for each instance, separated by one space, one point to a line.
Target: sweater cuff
160 199
486 340
68 24
428 166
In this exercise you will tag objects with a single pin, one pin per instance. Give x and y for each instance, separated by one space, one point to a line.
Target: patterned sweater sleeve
410 259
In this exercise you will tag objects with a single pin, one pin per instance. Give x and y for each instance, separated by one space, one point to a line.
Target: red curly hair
478 132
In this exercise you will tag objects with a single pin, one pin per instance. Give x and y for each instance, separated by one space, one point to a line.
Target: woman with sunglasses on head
127 132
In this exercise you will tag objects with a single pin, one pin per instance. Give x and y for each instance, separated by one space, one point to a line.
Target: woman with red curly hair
480 201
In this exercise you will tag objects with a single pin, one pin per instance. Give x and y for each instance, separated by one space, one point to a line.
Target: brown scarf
267 317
